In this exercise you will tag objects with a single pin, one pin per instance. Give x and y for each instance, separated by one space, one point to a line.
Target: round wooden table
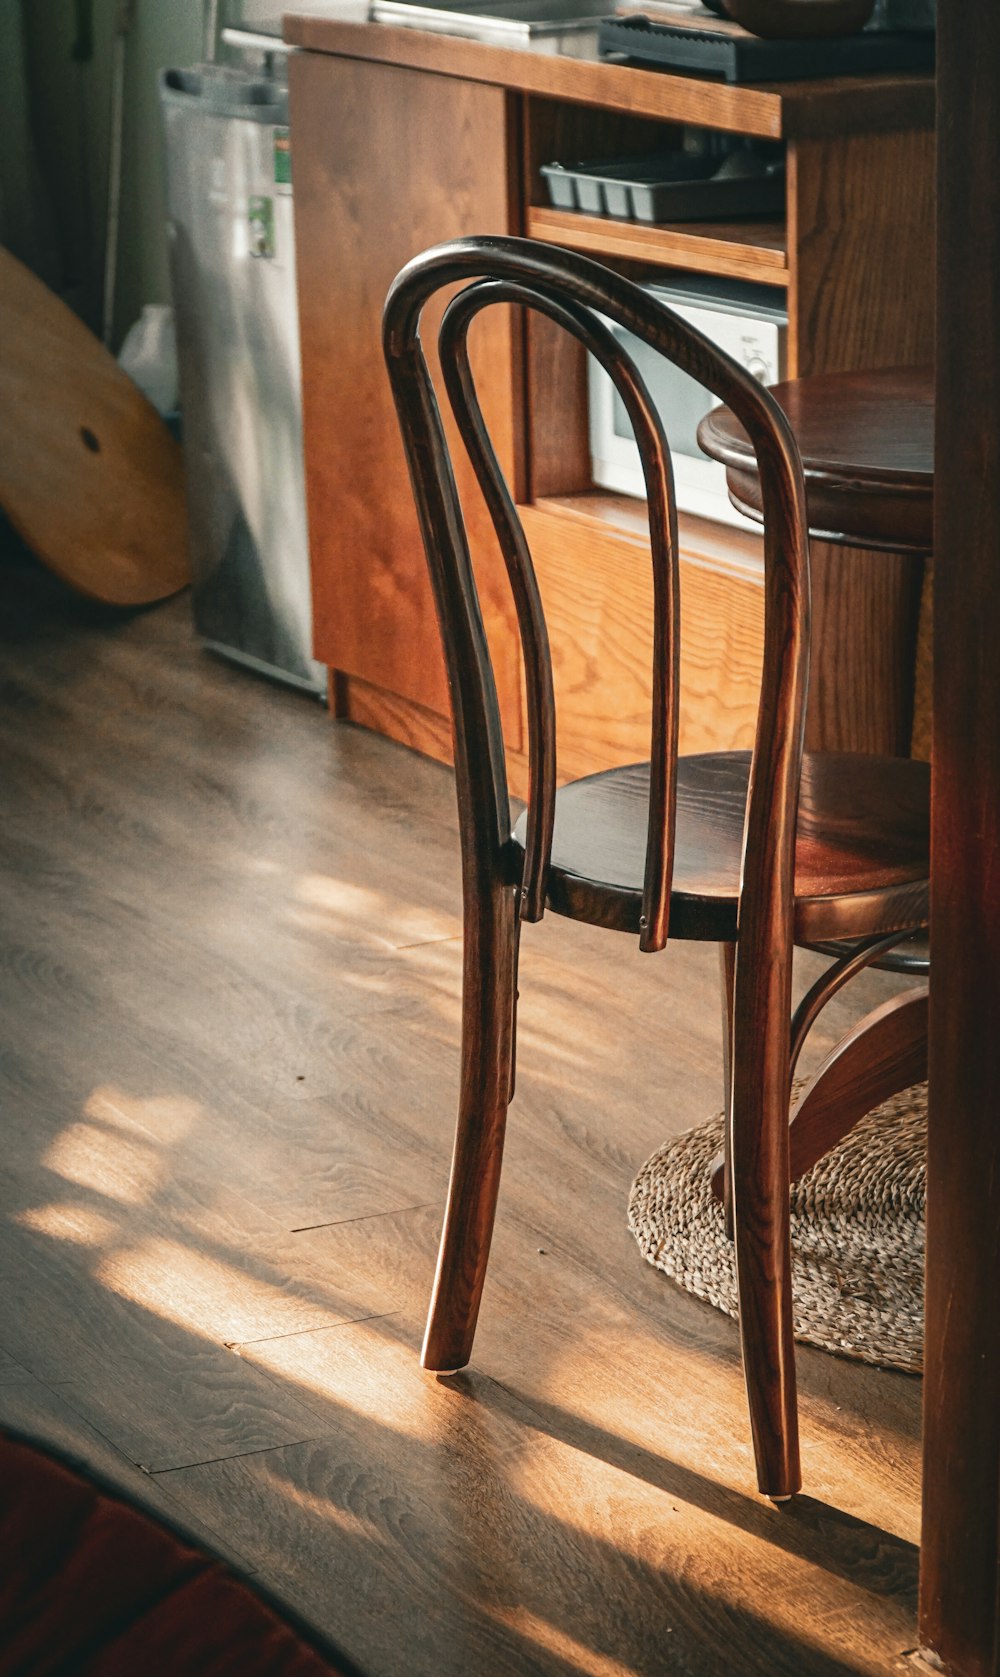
867 447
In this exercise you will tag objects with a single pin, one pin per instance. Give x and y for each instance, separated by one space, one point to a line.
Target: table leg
880 1056
960 1554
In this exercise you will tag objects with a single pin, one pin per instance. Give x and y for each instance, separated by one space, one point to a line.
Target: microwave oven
751 325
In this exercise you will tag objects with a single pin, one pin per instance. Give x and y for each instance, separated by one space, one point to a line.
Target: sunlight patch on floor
362 1367
80 1225
206 1294
329 903
120 1166
163 1118
588 1661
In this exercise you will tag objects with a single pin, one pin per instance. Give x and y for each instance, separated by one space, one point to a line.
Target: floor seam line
364 1217
236 1345
239 1456
427 942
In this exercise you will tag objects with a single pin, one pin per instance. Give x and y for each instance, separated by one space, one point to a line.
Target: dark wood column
959 1572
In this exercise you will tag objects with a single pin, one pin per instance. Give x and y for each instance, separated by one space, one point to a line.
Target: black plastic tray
751 59
663 187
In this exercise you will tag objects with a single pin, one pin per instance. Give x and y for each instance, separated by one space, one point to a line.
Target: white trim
700 484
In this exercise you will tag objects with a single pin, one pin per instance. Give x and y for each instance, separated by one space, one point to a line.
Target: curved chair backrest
568 289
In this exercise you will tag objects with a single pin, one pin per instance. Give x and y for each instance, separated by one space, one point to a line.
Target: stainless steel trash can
232 254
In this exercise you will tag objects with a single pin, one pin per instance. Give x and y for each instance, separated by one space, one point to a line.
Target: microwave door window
680 401
754 336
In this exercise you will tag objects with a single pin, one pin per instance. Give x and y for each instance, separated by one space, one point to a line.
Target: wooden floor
229 986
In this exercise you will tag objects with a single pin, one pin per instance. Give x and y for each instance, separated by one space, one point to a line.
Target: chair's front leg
489 985
759 1170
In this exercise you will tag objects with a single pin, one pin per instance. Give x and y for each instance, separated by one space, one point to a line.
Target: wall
71 107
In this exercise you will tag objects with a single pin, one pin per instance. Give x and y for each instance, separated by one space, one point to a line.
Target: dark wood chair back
569 289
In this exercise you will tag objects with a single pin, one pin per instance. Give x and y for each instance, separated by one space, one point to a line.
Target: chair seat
861 863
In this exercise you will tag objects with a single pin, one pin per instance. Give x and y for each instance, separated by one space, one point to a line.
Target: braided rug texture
857 1232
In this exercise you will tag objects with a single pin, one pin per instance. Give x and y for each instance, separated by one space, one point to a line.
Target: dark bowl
798 19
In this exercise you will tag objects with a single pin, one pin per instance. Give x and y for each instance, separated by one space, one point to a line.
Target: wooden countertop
787 110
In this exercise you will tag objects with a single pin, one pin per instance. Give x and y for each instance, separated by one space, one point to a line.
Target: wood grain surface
860 233
596 581
860 861
367 134
229 972
556 130
861 294
89 473
865 611
874 428
867 104
401 719
960 1577
555 384
885 1053
725 852
867 451
858 224
751 250
867 446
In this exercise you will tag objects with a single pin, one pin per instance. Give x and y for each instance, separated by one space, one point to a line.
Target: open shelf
748 250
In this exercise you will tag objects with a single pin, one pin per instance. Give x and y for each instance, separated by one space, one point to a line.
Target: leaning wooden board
89 475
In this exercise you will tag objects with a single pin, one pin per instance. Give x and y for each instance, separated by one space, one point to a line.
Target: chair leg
727 971
883 1054
514 998
489 985
759 1169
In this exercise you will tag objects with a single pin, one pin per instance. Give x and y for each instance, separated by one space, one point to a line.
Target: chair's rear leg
514 998
759 1171
489 984
727 969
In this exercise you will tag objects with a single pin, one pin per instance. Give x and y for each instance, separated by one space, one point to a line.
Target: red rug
90 1584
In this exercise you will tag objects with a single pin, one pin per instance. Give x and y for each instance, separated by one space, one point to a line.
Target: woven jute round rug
857 1232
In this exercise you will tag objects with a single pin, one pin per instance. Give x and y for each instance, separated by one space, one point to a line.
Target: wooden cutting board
90 477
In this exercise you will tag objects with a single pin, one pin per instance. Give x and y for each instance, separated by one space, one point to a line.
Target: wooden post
959 1561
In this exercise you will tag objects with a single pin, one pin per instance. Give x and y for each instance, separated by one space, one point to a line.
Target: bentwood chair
754 851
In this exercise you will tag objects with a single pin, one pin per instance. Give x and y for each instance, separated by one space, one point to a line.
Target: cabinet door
389 161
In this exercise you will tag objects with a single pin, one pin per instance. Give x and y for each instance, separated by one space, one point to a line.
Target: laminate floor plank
42 1413
183 807
230 968
524 1522
11 1371
162 1392
289 1125
640 1334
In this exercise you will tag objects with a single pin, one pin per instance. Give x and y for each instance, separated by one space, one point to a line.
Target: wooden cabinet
403 139
387 162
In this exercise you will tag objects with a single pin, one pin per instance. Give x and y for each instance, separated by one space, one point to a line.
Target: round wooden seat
861 852
867 446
